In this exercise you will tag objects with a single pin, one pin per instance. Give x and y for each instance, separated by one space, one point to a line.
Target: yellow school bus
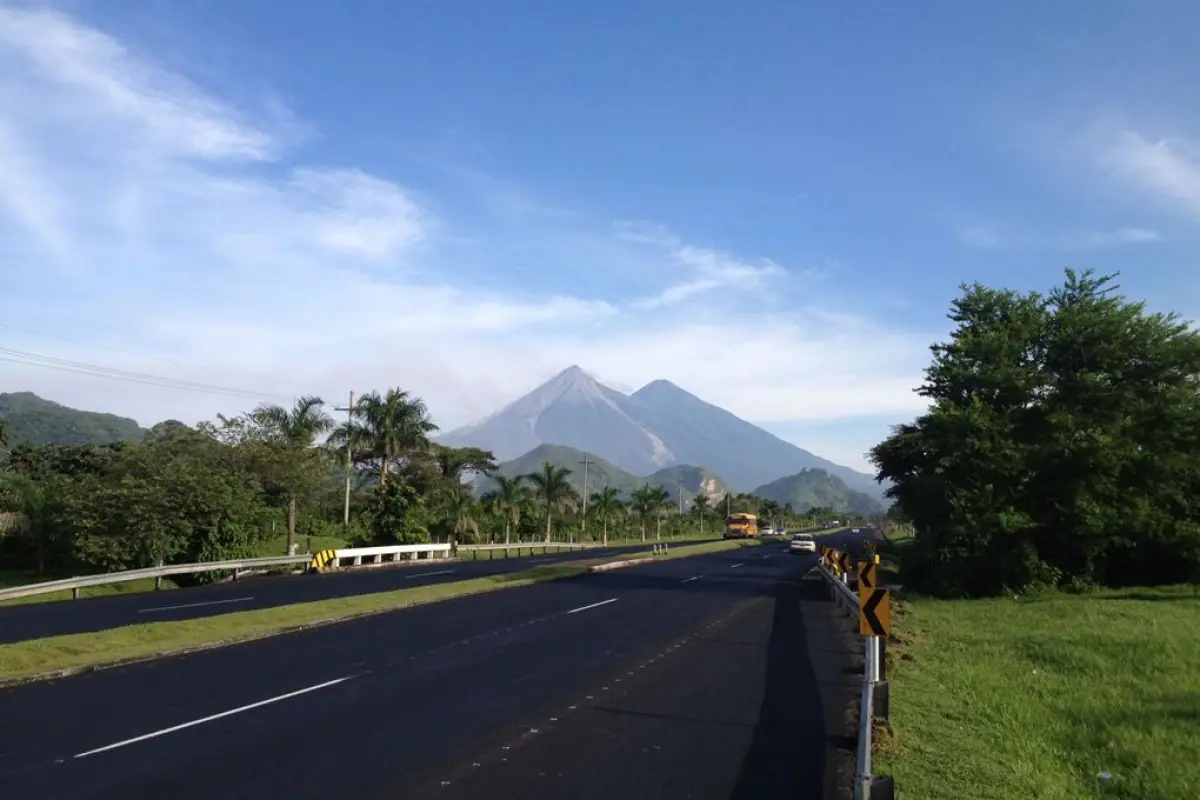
741 526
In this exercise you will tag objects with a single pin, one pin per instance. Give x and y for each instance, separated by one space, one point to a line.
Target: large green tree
385 430
1062 445
295 430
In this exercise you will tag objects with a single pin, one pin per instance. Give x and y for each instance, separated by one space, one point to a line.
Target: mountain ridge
659 425
813 488
35 420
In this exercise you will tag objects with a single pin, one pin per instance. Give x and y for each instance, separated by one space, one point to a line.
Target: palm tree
605 504
385 429
507 499
461 510
552 488
296 429
660 501
645 504
702 506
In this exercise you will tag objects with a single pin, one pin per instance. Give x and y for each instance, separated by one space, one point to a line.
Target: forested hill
29 419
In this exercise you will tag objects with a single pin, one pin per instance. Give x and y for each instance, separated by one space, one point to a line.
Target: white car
802 543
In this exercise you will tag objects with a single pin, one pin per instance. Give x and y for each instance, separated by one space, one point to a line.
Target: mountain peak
659 385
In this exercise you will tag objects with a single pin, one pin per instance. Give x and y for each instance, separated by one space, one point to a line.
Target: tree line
1061 446
277 477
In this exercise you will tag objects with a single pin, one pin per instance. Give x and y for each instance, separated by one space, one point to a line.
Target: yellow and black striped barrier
321 559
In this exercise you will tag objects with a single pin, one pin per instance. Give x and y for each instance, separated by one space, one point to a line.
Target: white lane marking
689 580
540 560
735 566
593 605
427 574
194 605
203 720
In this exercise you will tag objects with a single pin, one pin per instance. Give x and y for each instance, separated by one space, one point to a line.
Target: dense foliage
1062 446
262 482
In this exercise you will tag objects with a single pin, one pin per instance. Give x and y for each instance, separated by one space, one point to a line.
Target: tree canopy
1061 446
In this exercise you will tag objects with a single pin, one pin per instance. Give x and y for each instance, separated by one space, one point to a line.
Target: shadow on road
787 755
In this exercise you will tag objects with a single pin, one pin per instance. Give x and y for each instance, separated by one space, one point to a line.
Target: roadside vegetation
1046 638
275 479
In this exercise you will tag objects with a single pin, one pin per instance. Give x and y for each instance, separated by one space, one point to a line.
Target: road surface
718 676
91 614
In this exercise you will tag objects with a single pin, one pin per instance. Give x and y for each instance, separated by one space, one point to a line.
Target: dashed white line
427 574
194 605
593 605
689 580
735 566
203 720
540 560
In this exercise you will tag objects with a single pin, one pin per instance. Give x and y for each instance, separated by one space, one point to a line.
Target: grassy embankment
1052 696
39 656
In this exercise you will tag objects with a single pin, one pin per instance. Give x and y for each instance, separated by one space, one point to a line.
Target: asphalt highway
91 614
717 676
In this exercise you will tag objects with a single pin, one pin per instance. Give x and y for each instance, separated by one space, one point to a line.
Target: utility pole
583 521
349 409
679 491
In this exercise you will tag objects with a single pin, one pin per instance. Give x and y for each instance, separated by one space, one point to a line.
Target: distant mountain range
33 420
658 426
817 488
803 490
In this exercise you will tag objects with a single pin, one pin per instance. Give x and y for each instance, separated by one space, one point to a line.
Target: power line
95 370
236 374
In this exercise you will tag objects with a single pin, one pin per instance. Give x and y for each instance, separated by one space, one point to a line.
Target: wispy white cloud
1166 168
1119 237
705 269
156 218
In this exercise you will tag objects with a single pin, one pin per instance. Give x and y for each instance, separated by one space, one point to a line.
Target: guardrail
362 556
356 556
873 701
108 578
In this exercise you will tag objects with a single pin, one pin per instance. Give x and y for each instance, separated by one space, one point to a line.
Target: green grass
277 545
1013 699
25 659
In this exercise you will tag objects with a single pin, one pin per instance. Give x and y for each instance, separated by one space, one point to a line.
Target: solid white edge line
195 605
203 720
593 605
427 574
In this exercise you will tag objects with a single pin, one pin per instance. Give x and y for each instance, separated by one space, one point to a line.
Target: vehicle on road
802 543
741 526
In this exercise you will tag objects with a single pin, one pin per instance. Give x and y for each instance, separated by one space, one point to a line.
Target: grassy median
40 656
1053 696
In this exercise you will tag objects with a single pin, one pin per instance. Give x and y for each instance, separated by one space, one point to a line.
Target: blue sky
770 204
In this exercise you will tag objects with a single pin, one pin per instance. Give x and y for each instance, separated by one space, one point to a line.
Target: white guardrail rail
873 702
316 562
